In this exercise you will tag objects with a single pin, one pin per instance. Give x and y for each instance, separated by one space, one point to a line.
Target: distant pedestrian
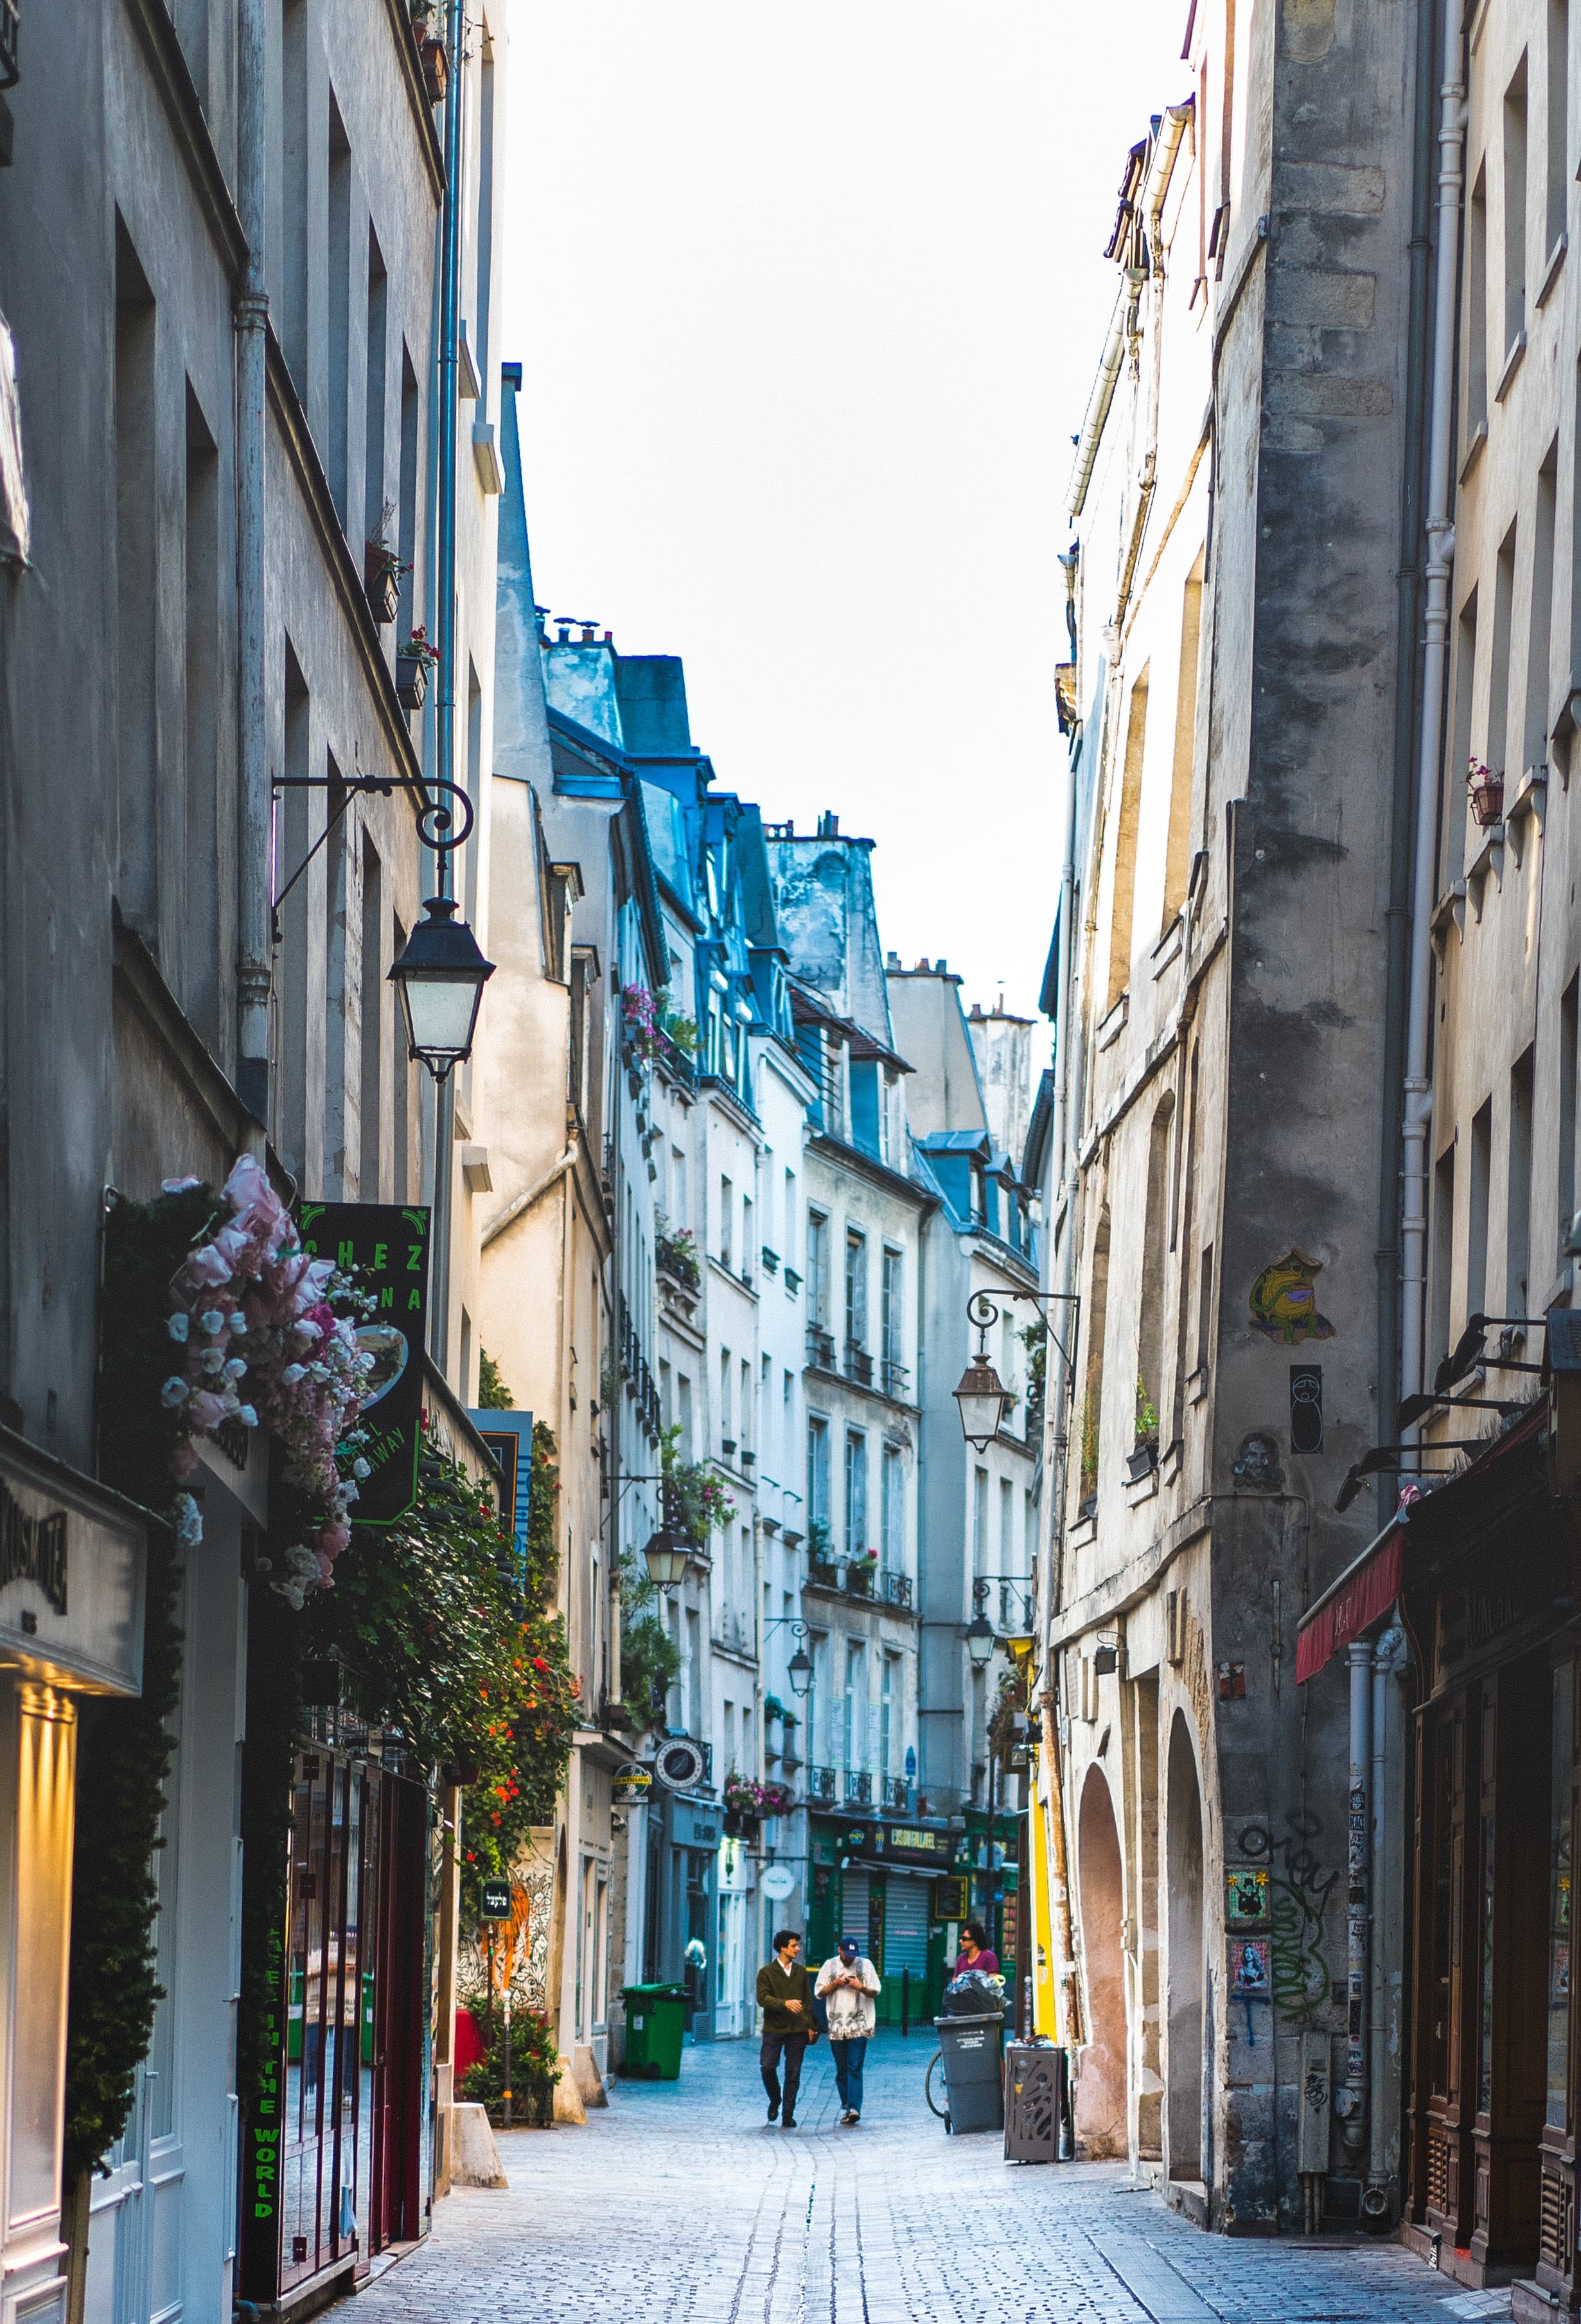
976 1952
848 1982
784 1993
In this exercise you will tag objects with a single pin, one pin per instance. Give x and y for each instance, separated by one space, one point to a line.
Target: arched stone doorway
1100 2090
1185 1965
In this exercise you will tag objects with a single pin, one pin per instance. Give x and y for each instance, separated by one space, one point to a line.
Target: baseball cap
850 1946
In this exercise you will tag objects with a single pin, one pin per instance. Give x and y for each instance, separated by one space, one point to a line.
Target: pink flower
206 1410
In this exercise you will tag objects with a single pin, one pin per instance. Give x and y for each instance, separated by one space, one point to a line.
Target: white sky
809 301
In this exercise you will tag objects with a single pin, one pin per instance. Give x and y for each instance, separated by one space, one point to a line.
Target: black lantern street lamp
440 976
984 1402
800 1672
980 1641
667 1558
984 1399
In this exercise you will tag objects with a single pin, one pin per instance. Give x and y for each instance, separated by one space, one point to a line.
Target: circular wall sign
680 1765
778 1881
631 1784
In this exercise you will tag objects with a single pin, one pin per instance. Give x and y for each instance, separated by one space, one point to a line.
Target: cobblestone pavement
678 2205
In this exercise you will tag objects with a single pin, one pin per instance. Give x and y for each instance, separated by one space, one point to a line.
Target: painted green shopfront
902 1890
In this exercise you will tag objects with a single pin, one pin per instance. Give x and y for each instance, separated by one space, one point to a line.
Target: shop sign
778 1882
631 1784
387 1245
951 1899
497 1900
71 1575
918 1845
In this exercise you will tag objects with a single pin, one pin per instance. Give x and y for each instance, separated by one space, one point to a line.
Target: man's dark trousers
794 2046
848 2057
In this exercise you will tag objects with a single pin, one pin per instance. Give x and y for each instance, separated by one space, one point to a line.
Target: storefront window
1559 1844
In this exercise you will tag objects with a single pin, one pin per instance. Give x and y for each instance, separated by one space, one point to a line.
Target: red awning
1364 1592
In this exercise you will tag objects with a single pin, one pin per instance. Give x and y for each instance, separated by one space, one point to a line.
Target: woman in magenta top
974 1952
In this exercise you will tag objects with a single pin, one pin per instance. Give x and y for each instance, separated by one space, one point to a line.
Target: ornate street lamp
667 1558
440 976
980 1641
800 1672
983 1400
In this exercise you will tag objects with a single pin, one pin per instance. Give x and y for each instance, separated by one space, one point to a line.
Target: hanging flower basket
1486 792
436 68
381 580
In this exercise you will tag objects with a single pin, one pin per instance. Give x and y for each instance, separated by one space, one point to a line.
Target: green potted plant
413 661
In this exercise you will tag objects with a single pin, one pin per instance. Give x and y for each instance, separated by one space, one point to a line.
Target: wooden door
1513 1960
1556 2270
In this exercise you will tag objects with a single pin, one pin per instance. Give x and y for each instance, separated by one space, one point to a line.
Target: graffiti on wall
1284 1300
1298 1889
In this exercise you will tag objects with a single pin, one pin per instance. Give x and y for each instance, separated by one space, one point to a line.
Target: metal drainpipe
1351 2100
254 948
1439 570
1378 2198
445 634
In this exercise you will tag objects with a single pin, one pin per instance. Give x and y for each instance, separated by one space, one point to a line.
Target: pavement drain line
1162 2295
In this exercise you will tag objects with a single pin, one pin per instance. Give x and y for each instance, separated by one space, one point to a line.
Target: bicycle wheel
937 2060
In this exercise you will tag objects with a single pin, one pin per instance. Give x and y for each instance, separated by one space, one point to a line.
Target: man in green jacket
784 1992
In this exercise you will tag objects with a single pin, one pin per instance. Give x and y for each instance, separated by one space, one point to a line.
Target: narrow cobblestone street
704 2215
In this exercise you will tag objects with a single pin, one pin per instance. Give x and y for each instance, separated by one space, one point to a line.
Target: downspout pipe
445 631
1351 2102
1378 2195
1417 1123
254 945
1098 402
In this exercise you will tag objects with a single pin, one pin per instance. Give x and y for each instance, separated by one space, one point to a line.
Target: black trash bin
972 2070
1034 2098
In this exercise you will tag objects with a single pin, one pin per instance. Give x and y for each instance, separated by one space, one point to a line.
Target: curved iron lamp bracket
443 823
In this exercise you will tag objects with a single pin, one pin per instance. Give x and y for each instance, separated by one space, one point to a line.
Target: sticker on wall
1245 1893
1250 1973
1284 1300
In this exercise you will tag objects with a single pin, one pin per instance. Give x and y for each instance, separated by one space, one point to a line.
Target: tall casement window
1125 834
1443 1283
817 1268
855 1293
1477 1247
818 1477
892 1323
1515 210
855 1738
856 1492
1570 1026
893 1510
1092 1403
726 1218
1518 1202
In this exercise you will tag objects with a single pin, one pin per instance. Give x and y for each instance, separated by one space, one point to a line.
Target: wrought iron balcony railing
858 1789
820 1348
894 1792
858 1365
821 1784
896 1588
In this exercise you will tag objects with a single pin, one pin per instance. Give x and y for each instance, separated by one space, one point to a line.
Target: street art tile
1245 1893
1284 1300
1251 1968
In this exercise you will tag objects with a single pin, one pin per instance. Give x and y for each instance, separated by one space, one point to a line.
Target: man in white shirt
847 1984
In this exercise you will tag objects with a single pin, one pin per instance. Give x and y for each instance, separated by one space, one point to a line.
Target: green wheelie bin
655 2025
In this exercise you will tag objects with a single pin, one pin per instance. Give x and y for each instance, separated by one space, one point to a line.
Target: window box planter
436 67
727 1446
381 580
770 1259
738 1826
411 680
1143 1460
792 1281
859 1576
1486 791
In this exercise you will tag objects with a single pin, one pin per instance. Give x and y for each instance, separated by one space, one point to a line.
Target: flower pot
1139 1463
1486 792
435 67
411 680
381 580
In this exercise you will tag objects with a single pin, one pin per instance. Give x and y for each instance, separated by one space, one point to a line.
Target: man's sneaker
788 2123
773 2109
849 2117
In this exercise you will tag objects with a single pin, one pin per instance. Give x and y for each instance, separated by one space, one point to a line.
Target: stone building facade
1226 980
